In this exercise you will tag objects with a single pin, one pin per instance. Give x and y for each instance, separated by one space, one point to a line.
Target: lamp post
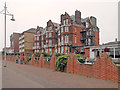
5 12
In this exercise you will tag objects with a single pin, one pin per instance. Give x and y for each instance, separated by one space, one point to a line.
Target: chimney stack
78 17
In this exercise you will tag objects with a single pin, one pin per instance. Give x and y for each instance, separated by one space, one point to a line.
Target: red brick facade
14 39
71 35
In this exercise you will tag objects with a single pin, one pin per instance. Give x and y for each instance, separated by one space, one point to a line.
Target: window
87 25
50 28
59 32
66 50
66 29
82 50
46 50
50 34
50 42
75 39
66 39
58 50
61 29
37 43
75 29
62 40
62 49
59 41
37 32
50 51
66 21
42 37
55 50
37 37
37 50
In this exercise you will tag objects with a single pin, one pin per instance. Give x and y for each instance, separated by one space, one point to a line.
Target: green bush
45 54
80 57
58 54
37 55
61 62
29 57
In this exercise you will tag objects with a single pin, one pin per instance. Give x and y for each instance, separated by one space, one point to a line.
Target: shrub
37 55
80 57
45 54
58 54
29 57
61 62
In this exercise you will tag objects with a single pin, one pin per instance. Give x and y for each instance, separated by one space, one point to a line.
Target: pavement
28 76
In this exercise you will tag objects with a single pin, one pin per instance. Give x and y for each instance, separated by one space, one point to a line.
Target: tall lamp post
5 12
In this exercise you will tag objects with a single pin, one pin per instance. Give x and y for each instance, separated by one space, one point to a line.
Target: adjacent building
14 45
112 48
71 35
26 41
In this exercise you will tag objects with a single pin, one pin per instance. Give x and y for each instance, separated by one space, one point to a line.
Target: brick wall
103 68
47 64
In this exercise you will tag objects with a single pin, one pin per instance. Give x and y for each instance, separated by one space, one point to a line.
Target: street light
5 12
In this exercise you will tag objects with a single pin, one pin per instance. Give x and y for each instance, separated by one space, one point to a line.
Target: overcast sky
33 13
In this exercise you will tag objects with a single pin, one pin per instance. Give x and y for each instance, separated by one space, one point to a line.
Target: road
28 76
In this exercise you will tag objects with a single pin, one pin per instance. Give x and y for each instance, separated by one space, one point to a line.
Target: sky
32 13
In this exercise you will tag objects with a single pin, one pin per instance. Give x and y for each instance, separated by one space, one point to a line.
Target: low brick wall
42 63
103 68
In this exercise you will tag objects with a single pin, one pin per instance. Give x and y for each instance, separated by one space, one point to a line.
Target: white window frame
62 39
37 50
66 29
62 29
50 34
59 50
66 21
59 32
50 51
58 41
50 28
62 48
66 39
50 42
63 22
66 50
37 44
37 37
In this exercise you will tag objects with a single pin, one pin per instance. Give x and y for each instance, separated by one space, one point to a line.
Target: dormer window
50 28
66 21
50 34
37 32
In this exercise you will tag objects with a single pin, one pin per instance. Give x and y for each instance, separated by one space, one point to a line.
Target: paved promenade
28 76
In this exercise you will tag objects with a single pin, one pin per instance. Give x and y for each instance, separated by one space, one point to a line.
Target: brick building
14 45
71 35
26 41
